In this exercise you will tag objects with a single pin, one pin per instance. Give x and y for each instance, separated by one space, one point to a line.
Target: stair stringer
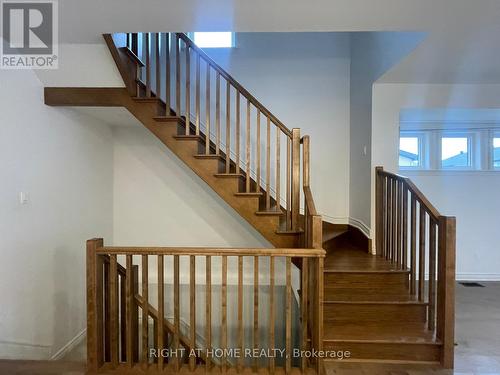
206 169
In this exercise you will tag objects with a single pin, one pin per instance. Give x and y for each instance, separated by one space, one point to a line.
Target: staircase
396 306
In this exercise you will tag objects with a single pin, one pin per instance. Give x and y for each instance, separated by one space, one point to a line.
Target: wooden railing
412 234
123 302
252 141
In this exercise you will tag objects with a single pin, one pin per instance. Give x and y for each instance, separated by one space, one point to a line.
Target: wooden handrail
214 251
414 189
408 230
309 201
235 84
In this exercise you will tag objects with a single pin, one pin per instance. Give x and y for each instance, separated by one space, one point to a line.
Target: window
410 151
496 151
455 152
214 39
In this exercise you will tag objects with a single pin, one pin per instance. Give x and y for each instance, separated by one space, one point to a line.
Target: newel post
95 350
446 289
295 206
379 201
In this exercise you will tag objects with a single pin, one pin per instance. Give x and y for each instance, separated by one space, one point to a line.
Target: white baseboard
21 350
336 219
478 276
70 345
359 224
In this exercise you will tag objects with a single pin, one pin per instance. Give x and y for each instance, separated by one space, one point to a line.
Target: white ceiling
462 44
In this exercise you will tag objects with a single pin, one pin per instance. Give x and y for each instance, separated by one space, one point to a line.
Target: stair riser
374 312
374 280
386 351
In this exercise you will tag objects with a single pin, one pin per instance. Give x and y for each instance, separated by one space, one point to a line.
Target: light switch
23 198
364 150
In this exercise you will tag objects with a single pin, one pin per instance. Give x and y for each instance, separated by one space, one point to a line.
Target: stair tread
188 137
229 175
270 213
166 118
145 99
332 295
209 156
289 231
401 332
254 194
375 302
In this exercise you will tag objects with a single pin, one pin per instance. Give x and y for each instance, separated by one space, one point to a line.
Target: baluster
240 311
113 306
432 275
389 219
237 135
217 113
378 210
394 219
256 308
399 255
288 309
161 311
167 74
188 90
135 313
148 66
278 175
192 308
268 166
177 77
107 328
207 111
288 212
421 262
257 142
413 246
197 94
135 43
271 312
129 288
224 311
405 226
295 186
123 318
208 313
304 290
385 216
145 312
228 127
247 182
177 302
158 65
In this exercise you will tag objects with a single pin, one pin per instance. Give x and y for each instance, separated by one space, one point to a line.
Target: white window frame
422 147
471 149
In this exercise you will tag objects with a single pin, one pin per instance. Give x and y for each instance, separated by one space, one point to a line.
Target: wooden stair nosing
270 213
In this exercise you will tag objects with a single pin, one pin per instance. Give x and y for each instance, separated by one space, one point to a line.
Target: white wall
372 54
159 201
63 161
303 78
470 196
